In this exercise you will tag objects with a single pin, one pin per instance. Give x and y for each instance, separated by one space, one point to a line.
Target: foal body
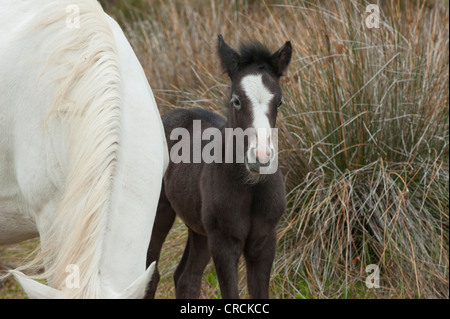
228 208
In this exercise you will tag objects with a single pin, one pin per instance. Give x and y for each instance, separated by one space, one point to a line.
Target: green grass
12 256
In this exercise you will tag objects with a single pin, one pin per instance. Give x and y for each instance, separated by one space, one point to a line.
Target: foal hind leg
164 219
188 276
182 263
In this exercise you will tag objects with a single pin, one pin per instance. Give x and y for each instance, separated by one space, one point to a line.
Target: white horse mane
84 66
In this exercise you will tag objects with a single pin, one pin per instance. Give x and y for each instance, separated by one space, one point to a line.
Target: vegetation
363 133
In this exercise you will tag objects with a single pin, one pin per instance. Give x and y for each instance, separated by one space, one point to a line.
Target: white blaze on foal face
260 148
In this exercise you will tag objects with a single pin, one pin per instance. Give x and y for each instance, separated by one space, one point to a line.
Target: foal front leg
259 254
188 276
226 219
225 251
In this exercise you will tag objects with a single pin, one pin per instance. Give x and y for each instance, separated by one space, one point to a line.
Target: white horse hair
82 149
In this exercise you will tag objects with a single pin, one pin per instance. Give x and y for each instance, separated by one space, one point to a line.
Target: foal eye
280 104
235 102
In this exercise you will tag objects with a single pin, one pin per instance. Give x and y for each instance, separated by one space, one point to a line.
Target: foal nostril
263 157
272 154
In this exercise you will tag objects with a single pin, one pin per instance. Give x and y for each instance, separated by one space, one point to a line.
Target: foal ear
228 57
281 59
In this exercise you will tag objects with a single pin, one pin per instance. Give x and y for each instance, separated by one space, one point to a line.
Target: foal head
255 96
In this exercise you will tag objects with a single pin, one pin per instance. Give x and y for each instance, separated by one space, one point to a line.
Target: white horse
82 149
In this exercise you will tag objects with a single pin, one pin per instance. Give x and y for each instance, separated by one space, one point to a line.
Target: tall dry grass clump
366 153
364 130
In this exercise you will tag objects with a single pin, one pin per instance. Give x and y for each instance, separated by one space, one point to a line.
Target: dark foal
229 208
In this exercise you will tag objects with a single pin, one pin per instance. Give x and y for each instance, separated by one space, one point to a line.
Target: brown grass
364 131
